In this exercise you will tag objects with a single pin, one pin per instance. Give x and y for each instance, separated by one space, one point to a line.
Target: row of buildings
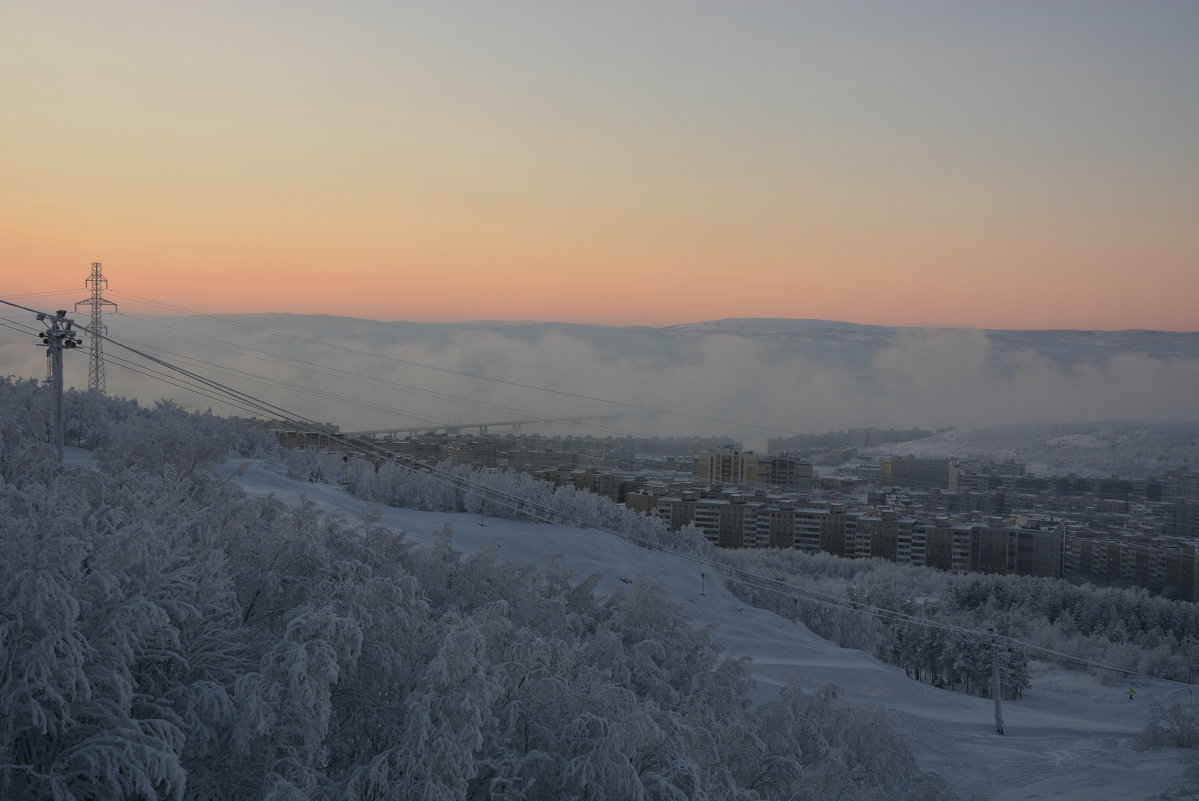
1030 545
850 438
1162 505
981 516
1011 477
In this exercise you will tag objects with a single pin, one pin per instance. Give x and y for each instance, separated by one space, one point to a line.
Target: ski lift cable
386 384
332 371
299 389
125 364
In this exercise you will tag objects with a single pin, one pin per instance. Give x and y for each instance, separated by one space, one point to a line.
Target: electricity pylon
97 283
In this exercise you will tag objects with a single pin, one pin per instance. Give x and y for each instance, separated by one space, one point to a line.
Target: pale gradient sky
1014 164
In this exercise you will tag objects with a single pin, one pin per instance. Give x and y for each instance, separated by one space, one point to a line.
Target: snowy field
1068 738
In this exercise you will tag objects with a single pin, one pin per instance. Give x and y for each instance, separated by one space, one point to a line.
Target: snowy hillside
1069 738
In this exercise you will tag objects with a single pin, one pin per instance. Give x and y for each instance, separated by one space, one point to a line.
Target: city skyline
1014 165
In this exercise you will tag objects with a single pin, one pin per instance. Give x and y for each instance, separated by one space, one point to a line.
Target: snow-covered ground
1133 450
1068 738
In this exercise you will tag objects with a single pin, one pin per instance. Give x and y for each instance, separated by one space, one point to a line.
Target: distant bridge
482 428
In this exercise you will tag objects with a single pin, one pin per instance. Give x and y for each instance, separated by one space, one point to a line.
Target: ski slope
1068 738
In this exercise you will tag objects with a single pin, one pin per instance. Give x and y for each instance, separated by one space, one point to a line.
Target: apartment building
914 471
879 535
1040 549
728 523
729 465
725 465
677 511
1185 521
776 526
785 473
1180 484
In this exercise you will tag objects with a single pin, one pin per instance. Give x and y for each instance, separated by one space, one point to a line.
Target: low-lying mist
759 378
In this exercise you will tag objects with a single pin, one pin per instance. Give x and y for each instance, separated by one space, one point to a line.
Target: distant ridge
762 325
832 343
748 326
782 324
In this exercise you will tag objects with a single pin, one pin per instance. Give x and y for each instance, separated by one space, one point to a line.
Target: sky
1017 164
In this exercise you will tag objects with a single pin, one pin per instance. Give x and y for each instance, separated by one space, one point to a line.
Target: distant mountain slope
821 342
1133 450
1063 346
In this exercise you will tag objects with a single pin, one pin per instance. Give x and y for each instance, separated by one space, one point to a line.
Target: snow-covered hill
1068 738
1132 449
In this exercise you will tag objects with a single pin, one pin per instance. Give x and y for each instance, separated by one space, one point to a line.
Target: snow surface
1068 738
1095 449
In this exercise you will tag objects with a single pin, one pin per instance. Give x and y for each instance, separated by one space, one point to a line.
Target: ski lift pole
997 689
59 335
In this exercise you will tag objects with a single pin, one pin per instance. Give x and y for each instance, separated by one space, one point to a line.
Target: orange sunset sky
982 164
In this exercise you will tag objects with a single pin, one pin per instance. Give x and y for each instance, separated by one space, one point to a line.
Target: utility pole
59 334
97 283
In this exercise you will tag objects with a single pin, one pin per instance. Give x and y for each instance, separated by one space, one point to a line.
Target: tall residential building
724 465
730 465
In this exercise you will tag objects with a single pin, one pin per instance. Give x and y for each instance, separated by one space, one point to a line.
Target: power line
15 326
311 391
334 372
45 294
133 367
380 382
300 389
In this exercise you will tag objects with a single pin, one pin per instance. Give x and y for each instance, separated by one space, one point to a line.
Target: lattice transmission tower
97 283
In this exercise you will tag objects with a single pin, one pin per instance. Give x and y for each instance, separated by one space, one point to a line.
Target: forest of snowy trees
1127 629
164 636
1124 629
